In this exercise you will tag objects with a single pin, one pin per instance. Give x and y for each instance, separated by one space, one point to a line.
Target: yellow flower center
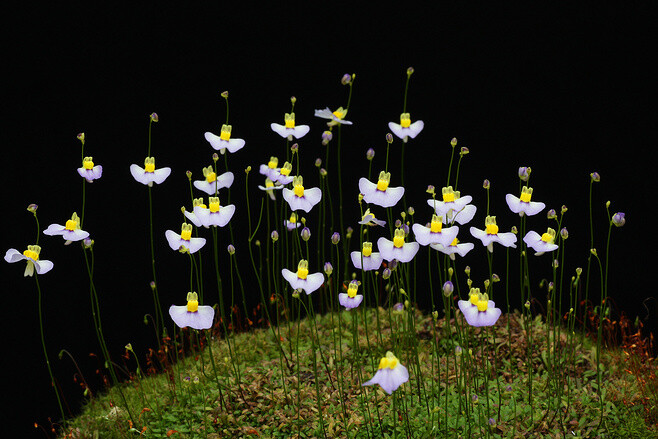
186 232
214 204
384 180
492 229
71 224
290 120
479 300
211 177
192 305
389 361
352 289
299 190
31 254
454 242
302 272
405 120
273 163
340 113
449 196
367 249
149 167
87 163
398 239
526 194
286 169
549 236
437 224
225 134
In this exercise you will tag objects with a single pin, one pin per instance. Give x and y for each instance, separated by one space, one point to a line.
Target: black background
564 90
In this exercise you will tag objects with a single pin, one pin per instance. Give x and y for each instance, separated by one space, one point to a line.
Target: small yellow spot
290 120
367 249
225 134
437 224
88 163
405 120
302 269
398 239
149 164
384 180
273 163
213 202
454 242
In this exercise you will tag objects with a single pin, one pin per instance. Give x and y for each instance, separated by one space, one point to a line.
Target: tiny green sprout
247 169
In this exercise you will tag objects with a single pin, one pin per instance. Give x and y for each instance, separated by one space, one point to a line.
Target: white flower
541 244
289 130
523 205
31 255
380 193
390 374
148 174
224 141
70 232
405 128
336 117
491 235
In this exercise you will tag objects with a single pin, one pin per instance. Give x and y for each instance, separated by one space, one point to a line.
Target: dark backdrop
563 90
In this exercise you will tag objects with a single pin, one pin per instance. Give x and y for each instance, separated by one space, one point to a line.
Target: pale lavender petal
193 218
396 129
204 186
234 145
139 174
173 239
465 215
281 130
43 266
313 195
223 216
292 278
349 302
201 319
514 203
54 229
214 140
160 175
325 114
534 207
14 255
385 247
425 236
372 262
477 318
300 131
194 244
508 239
283 179
313 282
415 128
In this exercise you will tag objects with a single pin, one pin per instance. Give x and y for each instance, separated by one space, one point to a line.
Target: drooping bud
81 138
595 176
346 79
619 219
32 208
224 94
326 137
294 148
564 209
154 117
453 142
464 151
430 190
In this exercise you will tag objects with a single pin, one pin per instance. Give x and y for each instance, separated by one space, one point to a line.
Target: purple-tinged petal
372 262
200 319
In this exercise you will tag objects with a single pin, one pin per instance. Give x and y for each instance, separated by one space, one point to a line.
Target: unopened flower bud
386 273
448 288
32 208
607 204
406 304
389 138
524 173
224 94
458 350
247 169
328 268
514 230
326 137
257 243
595 176
551 214
294 148
495 278
564 233
579 271
348 232
189 175
464 151
398 306
274 235
411 210
551 286
230 249
318 162
370 154
453 142
346 79
435 315
293 99
469 282
564 209
81 138
393 264
619 219
410 71
467 270
486 284
335 238
556 264
306 234
152 285
154 117
450 272
527 304
430 190
88 242
486 184
295 294
398 223
593 251
323 172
